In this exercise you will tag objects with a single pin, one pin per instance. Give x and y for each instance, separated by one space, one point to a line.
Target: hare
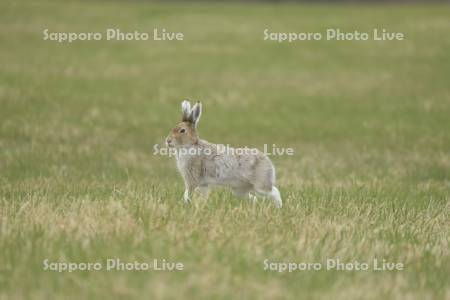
203 164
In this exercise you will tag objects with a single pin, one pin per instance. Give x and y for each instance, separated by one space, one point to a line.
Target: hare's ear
186 109
196 113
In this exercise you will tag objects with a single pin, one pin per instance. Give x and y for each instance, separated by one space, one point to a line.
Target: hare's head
185 133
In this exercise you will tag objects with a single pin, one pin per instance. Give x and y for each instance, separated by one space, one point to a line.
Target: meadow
368 121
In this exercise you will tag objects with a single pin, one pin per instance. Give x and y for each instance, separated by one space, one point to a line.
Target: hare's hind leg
264 182
276 197
273 194
264 187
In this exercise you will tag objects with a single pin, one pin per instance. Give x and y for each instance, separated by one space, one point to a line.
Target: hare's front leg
187 195
188 190
191 182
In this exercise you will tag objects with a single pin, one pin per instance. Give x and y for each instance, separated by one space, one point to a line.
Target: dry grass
368 122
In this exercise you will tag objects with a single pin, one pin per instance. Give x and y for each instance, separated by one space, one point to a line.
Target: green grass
369 123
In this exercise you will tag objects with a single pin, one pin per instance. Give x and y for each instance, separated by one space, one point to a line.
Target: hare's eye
182 130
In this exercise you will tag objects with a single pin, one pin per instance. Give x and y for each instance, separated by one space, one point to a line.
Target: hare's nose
168 141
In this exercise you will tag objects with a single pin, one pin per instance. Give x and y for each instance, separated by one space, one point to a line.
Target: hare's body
204 164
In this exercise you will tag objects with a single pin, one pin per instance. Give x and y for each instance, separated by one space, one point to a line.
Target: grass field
369 122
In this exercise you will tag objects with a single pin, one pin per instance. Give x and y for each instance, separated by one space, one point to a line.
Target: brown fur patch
187 138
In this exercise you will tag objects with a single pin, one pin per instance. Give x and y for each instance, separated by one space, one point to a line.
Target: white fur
186 107
204 164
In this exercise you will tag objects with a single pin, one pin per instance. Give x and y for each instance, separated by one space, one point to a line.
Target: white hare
204 164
